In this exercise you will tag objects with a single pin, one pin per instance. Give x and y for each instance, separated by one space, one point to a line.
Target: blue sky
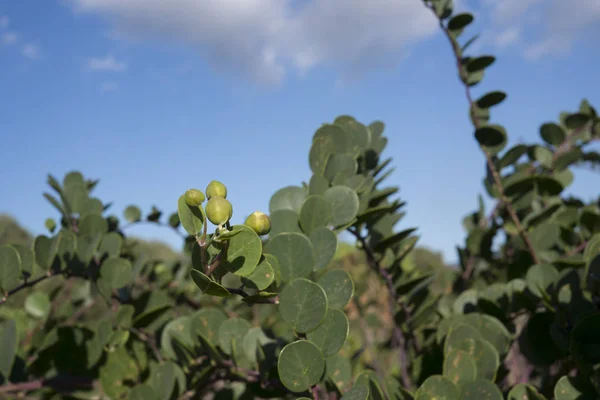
154 97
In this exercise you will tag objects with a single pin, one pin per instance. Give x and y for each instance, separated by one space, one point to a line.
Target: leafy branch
463 73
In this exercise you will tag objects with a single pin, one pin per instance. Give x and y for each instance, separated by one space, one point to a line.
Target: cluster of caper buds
219 210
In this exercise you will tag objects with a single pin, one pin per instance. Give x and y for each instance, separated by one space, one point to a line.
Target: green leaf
492 138
315 213
569 388
45 250
288 198
459 367
317 185
543 155
480 389
393 240
125 316
117 272
283 221
443 8
167 378
437 387
545 236
111 245
207 321
324 242
132 214
303 305
576 120
55 203
540 277
358 392
180 329
491 99
457 333
368 377
295 254
338 286
468 43
331 335
243 252
458 22
340 166
262 276
192 218
253 341
512 155
524 391
585 341
8 346
37 305
483 352
275 265
552 134
358 134
207 285
143 392
231 333
27 258
10 267
322 149
344 204
339 371
479 63
490 329
300 365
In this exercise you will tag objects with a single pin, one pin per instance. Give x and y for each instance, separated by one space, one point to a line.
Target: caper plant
261 309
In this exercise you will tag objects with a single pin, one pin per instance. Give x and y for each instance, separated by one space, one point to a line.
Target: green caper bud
218 210
216 189
194 197
259 222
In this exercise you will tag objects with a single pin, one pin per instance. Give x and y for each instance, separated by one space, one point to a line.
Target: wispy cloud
108 63
4 21
541 28
31 51
264 39
8 38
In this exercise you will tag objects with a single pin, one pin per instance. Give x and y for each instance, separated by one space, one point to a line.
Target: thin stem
495 174
315 392
58 384
28 284
149 340
578 249
212 267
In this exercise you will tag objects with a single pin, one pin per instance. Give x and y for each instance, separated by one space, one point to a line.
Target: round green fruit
218 210
216 189
259 222
194 197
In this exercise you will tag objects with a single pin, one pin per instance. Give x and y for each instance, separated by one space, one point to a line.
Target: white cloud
31 51
109 87
542 27
4 21
508 37
263 39
108 63
8 38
